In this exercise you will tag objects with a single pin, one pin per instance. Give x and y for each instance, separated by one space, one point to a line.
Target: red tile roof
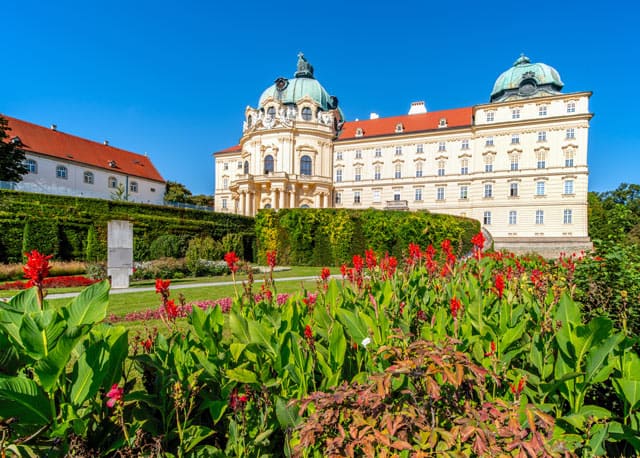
232 149
458 117
49 142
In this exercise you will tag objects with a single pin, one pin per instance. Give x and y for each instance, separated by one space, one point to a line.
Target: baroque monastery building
518 164
59 163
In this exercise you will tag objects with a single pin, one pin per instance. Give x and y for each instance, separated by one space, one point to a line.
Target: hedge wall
333 236
60 225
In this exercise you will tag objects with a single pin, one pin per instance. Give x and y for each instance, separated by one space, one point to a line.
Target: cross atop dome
522 60
305 69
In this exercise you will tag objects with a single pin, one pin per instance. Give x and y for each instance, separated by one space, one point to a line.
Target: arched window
268 164
304 206
133 186
305 165
246 167
32 166
113 182
271 112
61 172
249 121
267 205
88 177
306 114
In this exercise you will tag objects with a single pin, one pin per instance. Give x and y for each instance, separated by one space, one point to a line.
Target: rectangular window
339 175
224 203
568 160
226 166
571 133
489 141
339 156
465 144
513 189
418 170
541 162
377 173
356 197
542 136
440 193
440 168
398 150
396 196
514 163
420 148
239 165
442 146
378 152
568 186
376 195
490 116
486 218
488 167
542 110
464 167
398 171
464 192
539 216
515 139
540 188
568 217
571 107
338 197
358 154
513 217
225 183
418 193
488 190
515 114
358 173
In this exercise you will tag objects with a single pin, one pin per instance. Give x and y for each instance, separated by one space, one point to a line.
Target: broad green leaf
337 346
25 301
23 398
195 434
39 333
596 368
595 412
259 334
599 433
90 306
287 415
238 327
242 375
512 335
631 391
568 314
236 350
217 410
355 326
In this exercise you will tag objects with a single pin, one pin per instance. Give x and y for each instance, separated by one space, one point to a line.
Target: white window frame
513 217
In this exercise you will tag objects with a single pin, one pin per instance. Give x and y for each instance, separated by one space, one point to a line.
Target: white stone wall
45 179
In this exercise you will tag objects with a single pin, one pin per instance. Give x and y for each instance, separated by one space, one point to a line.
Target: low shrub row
51 282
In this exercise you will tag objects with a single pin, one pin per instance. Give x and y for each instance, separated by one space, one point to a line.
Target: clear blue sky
172 79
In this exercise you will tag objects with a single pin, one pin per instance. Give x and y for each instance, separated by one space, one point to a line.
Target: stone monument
120 253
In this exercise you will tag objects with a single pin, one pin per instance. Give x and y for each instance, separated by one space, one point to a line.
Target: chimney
374 116
54 127
106 143
417 108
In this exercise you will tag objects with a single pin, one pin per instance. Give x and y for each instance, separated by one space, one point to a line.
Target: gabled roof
458 117
232 149
48 142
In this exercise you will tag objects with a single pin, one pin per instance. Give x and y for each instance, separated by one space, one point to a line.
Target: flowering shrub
51 282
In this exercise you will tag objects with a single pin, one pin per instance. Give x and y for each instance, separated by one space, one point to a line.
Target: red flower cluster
271 259
478 244
415 253
162 287
325 274
388 265
308 332
51 282
37 268
451 258
516 389
171 309
493 350
455 305
358 263
232 261
536 278
370 258
236 401
114 395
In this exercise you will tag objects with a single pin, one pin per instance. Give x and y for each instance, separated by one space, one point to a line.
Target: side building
518 164
60 163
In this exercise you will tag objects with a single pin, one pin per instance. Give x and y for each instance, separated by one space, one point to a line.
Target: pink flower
115 395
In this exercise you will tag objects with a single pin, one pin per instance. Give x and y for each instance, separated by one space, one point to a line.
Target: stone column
292 197
281 196
243 203
316 200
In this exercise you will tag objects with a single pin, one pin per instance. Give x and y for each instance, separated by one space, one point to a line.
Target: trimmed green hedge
60 225
332 236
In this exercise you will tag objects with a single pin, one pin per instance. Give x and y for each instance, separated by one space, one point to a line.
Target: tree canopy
12 158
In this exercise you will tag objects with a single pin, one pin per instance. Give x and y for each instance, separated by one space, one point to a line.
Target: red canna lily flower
147 344
308 332
358 262
478 242
493 350
114 395
415 252
37 268
271 258
232 261
499 284
370 258
456 305
343 270
516 389
446 246
171 309
325 274
162 286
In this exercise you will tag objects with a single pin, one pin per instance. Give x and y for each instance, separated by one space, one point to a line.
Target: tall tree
12 158
177 192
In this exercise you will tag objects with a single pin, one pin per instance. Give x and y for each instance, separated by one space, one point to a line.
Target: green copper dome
525 79
303 84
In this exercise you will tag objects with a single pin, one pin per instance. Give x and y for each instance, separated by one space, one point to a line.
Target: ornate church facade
518 164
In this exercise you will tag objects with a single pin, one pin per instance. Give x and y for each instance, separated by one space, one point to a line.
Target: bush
202 249
97 271
160 268
168 246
